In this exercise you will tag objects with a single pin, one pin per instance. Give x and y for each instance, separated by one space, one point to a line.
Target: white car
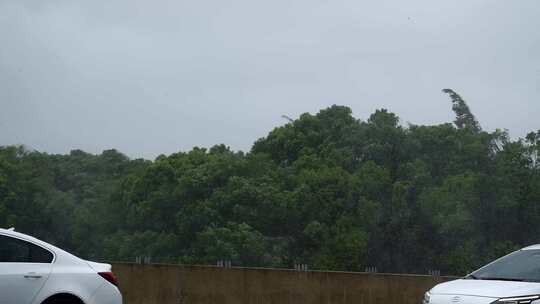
34 272
512 279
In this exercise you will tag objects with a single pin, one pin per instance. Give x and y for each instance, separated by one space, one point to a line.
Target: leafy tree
326 189
464 118
238 243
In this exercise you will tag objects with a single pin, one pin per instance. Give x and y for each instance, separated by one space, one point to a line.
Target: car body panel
21 282
99 267
103 295
486 288
478 289
459 299
67 274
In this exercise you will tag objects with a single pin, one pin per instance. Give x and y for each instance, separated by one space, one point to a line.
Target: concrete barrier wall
169 284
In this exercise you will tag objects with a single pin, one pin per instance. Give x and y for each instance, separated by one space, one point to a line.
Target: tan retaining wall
169 284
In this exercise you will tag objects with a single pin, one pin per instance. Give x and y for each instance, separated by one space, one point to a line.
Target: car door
24 268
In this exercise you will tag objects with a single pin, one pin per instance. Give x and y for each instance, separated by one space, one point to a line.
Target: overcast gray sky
152 77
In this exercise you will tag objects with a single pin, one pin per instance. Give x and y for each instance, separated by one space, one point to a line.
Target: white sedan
512 279
34 272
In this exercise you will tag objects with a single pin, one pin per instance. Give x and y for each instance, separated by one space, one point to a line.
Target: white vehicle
34 272
512 279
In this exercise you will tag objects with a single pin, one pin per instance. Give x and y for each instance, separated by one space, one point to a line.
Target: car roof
532 247
26 237
59 253
11 231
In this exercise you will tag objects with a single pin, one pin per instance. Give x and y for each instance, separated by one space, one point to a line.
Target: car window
17 251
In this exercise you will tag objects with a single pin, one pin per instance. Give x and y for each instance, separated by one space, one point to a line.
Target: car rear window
13 250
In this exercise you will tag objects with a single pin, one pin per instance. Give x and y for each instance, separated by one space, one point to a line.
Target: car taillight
110 277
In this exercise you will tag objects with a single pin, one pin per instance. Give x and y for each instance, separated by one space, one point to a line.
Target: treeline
327 190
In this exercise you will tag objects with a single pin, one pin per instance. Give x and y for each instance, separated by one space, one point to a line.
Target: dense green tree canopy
327 190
